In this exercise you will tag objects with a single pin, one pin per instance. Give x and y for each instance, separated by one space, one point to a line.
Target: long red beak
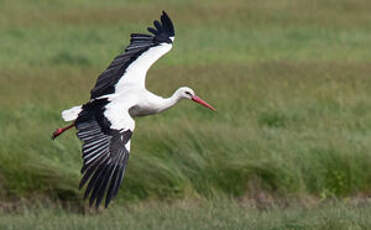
202 102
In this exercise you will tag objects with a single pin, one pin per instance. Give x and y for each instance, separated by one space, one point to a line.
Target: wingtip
167 22
164 14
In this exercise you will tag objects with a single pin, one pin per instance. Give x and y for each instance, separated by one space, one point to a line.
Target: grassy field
216 214
290 81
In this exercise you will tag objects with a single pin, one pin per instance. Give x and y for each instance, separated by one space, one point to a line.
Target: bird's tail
68 115
72 113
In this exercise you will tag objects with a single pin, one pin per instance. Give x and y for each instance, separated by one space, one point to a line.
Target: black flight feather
104 152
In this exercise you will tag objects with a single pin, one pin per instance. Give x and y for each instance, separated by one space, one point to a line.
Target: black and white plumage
142 52
105 124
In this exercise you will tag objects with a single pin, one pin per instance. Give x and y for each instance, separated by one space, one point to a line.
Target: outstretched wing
130 68
105 150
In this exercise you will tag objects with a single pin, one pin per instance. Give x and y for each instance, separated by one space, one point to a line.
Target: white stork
105 124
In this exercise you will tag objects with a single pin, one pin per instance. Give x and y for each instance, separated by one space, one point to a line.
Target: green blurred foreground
290 80
218 214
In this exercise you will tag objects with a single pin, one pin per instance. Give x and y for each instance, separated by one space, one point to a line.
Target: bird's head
188 93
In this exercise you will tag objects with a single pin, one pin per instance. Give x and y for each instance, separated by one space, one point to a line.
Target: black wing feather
98 184
139 43
168 24
104 153
111 187
94 180
158 26
152 30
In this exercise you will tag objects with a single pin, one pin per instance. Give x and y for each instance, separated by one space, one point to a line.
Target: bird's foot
59 131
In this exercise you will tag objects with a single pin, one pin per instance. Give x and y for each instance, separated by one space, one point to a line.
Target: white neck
169 102
153 104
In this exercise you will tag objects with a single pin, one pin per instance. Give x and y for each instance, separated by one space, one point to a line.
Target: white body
136 101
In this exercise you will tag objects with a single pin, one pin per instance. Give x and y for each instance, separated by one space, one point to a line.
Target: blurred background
291 82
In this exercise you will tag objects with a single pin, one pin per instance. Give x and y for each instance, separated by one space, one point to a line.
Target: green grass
218 214
290 81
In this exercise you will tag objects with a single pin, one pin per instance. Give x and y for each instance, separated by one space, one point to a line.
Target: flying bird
105 123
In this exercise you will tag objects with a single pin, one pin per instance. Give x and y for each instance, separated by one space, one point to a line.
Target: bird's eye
188 93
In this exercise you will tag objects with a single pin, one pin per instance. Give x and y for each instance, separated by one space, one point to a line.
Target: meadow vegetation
290 81
190 214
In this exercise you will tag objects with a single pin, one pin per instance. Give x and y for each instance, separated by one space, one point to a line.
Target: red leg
61 130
